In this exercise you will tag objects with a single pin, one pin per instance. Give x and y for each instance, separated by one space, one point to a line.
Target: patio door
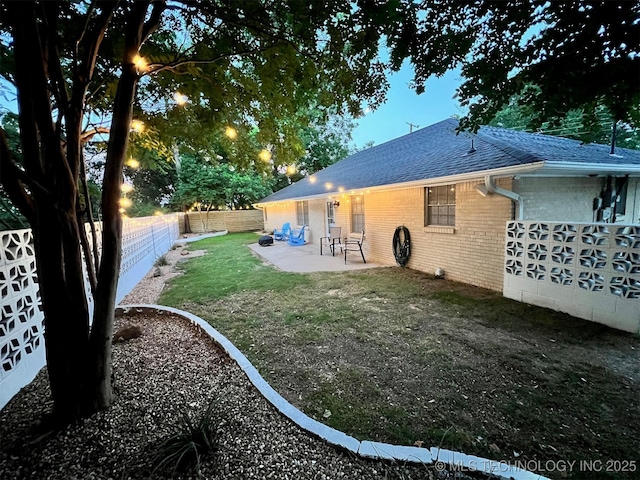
331 217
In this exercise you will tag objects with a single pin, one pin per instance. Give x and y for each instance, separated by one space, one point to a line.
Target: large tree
75 65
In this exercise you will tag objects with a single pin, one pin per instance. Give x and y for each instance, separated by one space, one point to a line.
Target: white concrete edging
202 237
371 450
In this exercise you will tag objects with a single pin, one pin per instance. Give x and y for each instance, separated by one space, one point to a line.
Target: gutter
601 169
513 196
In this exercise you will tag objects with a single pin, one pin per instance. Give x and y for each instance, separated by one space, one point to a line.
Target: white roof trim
465 177
579 168
542 168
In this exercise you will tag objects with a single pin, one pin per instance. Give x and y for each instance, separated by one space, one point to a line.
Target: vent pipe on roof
513 196
613 138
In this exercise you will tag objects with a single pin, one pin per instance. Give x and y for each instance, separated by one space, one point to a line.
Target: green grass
228 268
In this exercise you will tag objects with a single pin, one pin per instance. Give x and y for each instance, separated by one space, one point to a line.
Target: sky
404 106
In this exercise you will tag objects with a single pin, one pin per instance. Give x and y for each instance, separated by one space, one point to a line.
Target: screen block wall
589 270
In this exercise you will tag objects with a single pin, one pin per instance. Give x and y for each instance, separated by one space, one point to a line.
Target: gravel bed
151 286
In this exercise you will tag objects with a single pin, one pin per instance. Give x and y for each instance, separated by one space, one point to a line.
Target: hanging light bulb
264 155
231 133
137 126
180 98
140 63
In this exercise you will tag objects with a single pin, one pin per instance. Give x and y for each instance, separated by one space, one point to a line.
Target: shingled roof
437 152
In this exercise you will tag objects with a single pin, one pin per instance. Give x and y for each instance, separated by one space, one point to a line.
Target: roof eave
571 169
538 169
458 178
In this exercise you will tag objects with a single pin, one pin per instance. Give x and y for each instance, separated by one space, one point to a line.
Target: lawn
394 355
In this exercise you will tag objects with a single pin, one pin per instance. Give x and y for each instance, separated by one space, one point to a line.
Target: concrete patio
306 258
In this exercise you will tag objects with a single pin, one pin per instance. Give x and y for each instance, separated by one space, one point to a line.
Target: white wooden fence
22 353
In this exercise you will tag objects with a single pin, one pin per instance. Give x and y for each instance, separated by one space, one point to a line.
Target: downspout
513 196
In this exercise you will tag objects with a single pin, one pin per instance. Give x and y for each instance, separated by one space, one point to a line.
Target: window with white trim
357 213
302 213
440 206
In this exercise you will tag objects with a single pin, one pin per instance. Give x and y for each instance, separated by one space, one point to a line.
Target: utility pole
411 125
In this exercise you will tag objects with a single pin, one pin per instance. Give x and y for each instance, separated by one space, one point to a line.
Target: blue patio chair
296 238
283 233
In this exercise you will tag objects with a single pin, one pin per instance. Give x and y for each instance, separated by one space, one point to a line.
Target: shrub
192 440
161 261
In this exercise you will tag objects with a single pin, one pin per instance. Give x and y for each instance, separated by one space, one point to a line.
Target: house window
357 213
302 212
440 205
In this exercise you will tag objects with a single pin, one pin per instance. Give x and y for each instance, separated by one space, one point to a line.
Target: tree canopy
589 127
579 55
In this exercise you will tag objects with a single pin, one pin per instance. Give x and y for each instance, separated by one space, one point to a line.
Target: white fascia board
428 182
572 169
538 169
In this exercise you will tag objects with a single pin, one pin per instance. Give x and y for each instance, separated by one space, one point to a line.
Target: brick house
457 192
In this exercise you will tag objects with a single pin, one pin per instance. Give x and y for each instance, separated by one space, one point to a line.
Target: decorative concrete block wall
21 320
22 352
589 270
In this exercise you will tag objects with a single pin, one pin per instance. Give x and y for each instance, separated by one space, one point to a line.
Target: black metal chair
332 240
353 244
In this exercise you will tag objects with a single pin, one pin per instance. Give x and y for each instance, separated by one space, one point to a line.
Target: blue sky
404 106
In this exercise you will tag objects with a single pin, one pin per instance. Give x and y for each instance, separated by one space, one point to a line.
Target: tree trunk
65 310
45 188
105 296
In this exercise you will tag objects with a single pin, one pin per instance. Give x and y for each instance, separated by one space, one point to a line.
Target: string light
231 133
132 163
264 155
140 63
180 99
137 126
